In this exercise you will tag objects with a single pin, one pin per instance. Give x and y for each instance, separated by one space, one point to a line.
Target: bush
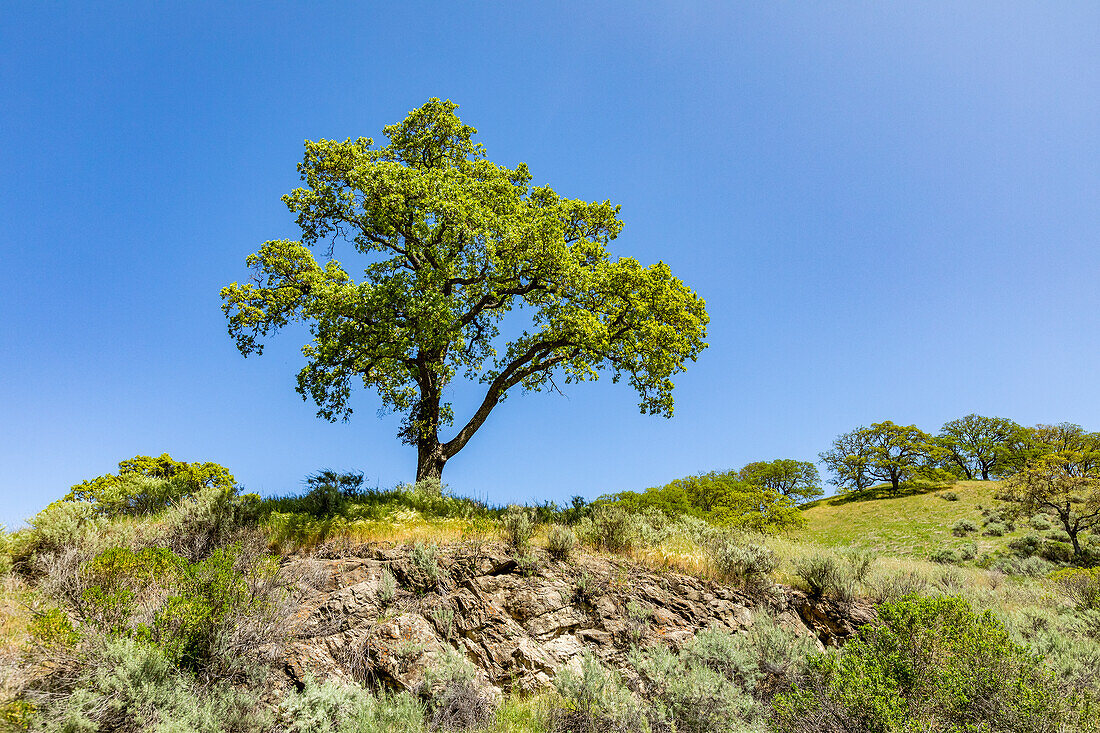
519 529
1027 545
425 565
948 496
124 685
210 519
720 680
860 563
968 551
737 559
1040 522
146 485
822 575
1080 585
994 529
560 542
1056 552
1031 567
886 679
595 699
610 528
387 587
333 707
945 556
964 527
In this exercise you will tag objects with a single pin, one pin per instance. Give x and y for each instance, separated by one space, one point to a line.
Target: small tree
848 460
452 243
976 445
798 480
144 484
1062 483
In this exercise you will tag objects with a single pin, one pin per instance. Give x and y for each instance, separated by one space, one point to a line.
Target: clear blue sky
892 211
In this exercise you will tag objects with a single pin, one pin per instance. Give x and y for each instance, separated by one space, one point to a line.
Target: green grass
913 524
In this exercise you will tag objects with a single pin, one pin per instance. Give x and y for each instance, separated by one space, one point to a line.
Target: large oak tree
452 243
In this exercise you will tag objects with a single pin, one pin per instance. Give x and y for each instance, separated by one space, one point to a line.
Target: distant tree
453 246
718 496
1064 483
798 480
978 445
848 460
884 452
144 484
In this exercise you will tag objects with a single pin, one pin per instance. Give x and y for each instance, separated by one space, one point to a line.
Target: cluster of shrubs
882 680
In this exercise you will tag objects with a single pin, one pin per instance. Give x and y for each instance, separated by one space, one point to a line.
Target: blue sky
892 211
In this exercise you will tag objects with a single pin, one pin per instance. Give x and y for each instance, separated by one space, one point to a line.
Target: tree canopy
453 243
887 452
798 480
977 445
144 484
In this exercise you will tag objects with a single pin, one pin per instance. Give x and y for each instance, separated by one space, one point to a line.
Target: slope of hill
913 524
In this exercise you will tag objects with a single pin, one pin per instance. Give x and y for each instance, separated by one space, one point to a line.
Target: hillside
914 524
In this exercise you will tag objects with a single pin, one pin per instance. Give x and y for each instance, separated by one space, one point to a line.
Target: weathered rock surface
517 627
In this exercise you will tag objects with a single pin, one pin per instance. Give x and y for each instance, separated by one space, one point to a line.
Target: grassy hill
913 524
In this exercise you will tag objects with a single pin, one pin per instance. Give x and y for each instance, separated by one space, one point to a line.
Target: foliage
595 700
927 664
519 529
425 563
886 452
822 574
1064 483
719 497
1081 585
964 527
333 707
798 480
979 446
454 243
560 542
610 527
737 558
123 685
146 485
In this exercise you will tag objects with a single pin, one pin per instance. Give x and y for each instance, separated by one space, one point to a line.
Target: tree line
1049 469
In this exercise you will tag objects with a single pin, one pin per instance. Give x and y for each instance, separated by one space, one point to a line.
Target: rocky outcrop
516 624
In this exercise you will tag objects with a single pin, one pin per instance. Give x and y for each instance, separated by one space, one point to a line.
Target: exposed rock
517 629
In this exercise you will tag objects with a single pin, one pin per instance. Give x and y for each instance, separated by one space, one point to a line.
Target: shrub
948 496
452 698
735 558
595 699
210 519
968 551
560 542
964 527
1027 545
425 565
333 707
886 679
944 555
1040 522
126 685
61 525
1056 552
994 529
860 563
720 680
821 574
1080 585
1032 567
387 587
519 528
609 528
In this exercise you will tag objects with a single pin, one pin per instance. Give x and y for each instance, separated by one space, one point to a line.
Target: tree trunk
985 473
430 459
895 483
